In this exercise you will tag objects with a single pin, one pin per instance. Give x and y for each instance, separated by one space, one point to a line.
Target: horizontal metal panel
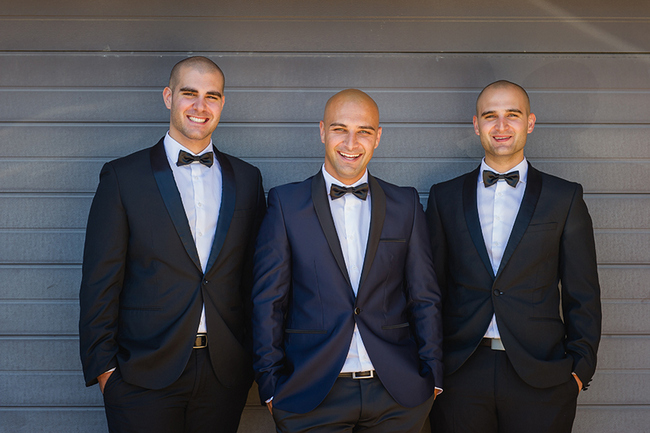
624 353
306 105
56 211
40 282
626 211
275 71
626 318
53 420
359 8
605 419
302 140
318 33
43 353
41 247
44 211
617 387
62 354
82 175
41 318
624 282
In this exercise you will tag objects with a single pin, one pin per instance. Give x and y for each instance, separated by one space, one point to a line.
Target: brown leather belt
368 374
201 341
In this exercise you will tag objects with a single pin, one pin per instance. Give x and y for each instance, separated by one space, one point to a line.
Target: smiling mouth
349 156
501 138
198 119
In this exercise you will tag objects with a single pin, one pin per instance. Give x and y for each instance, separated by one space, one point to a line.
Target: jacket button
497 292
357 310
205 281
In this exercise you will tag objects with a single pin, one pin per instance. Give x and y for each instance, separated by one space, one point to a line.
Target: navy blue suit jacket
143 289
304 308
545 294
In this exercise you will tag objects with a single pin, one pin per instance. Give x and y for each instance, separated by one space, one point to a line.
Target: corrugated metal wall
80 84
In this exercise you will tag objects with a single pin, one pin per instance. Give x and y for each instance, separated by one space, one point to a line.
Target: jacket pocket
305 331
398 326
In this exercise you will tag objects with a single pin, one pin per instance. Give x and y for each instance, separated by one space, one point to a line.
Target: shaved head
503 84
351 95
197 63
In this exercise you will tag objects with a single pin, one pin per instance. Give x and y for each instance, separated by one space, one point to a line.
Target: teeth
349 155
197 119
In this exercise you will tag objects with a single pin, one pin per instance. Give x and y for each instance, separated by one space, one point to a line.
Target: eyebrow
509 110
345 126
189 89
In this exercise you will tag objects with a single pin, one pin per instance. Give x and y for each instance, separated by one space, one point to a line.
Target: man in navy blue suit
346 307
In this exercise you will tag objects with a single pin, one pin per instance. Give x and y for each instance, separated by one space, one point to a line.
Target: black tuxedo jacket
143 289
545 294
304 306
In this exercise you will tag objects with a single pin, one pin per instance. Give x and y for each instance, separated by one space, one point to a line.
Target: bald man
165 295
514 253
346 308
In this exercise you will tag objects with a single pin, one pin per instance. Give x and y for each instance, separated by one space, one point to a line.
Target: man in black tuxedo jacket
346 308
514 253
165 293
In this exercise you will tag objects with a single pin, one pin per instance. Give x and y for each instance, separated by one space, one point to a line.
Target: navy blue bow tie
185 158
338 191
490 178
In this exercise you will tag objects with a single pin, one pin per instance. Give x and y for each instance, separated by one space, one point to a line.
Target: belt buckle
201 341
496 344
369 374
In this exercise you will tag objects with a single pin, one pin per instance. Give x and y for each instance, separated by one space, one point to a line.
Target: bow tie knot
490 178
186 158
338 191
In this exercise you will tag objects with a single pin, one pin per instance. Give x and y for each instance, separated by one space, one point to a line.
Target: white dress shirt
352 221
200 189
498 206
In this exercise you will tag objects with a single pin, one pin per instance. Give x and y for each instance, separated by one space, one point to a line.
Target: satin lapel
172 198
377 216
525 214
227 209
324 214
472 220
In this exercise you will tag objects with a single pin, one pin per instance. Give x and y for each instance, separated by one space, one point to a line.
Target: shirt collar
329 180
173 147
522 168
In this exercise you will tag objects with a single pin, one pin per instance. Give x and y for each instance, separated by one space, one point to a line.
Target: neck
503 165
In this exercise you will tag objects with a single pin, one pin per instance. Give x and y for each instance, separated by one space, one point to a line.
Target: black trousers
195 403
486 395
355 405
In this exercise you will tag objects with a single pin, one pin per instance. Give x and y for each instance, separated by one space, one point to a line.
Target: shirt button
357 310
200 233
200 204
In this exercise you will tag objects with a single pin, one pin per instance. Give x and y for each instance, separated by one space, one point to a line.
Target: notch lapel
377 216
324 214
472 220
172 198
227 208
525 214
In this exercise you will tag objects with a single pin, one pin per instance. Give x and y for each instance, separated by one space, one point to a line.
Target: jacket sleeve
102 276
272 282
424 294
580 289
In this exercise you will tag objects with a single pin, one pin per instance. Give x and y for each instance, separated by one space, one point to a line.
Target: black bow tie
490 178
185 158
338 191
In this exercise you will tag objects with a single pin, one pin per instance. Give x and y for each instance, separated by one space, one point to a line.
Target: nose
501 123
